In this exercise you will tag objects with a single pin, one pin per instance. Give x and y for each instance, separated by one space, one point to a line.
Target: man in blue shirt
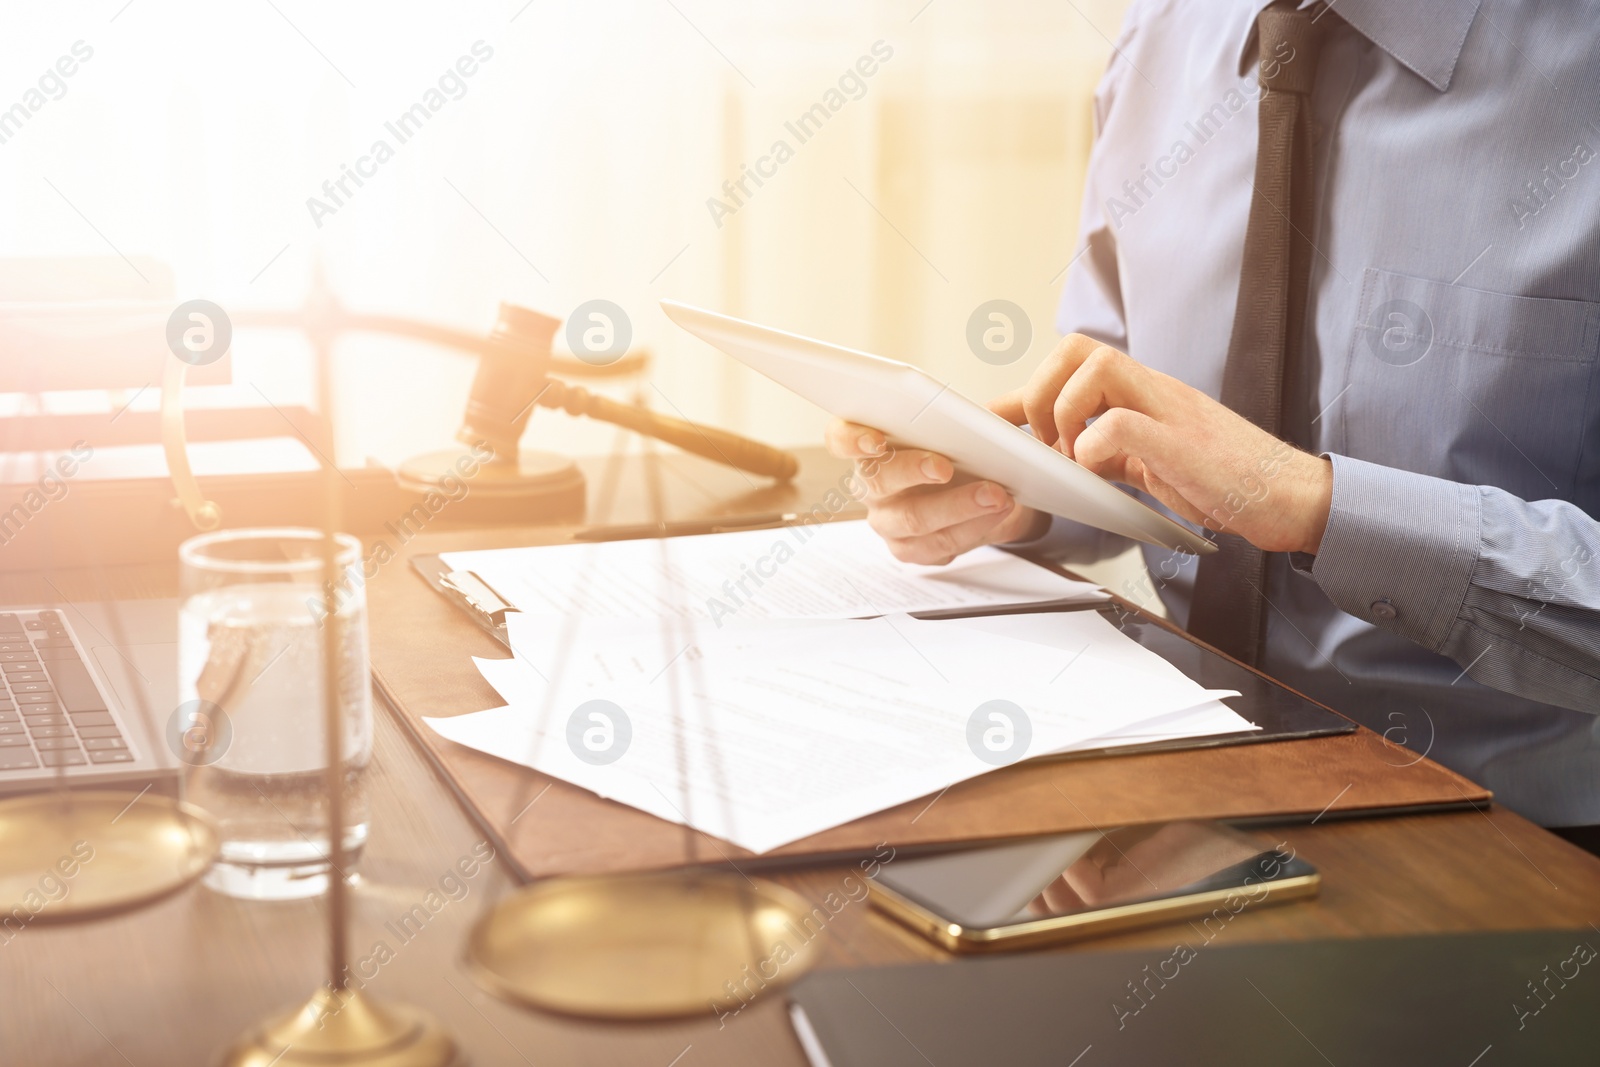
1428 561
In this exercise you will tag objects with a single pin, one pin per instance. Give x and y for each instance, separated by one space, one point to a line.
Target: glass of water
250 727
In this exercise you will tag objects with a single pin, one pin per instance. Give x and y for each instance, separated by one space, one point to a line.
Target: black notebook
1468 1000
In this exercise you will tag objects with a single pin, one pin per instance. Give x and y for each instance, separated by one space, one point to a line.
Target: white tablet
915 410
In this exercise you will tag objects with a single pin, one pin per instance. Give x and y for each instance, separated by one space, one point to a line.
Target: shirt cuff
1399 549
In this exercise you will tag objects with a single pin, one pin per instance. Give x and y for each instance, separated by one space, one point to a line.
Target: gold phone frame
1065 928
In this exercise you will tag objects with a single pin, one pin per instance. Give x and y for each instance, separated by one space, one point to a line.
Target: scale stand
339 1026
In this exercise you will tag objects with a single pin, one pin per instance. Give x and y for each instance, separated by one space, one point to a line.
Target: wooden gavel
514 377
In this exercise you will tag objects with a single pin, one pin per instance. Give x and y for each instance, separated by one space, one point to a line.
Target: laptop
1490 999
87 694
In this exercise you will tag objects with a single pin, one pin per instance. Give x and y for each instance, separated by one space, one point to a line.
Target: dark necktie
1268 319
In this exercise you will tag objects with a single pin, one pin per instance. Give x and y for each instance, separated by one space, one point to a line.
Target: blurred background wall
575 162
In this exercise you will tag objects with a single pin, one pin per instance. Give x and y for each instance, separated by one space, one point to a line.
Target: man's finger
1175 500
1121 436
922 514
1106 379
1009 407
903 469
847 440
1039 395
942 546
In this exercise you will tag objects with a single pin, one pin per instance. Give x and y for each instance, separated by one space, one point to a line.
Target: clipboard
1280 713
422 651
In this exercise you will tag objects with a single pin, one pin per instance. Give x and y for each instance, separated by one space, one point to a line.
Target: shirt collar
1424 36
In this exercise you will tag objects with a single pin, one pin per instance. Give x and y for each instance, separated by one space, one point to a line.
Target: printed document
770 731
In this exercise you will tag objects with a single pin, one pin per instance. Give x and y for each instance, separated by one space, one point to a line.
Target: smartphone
1046 890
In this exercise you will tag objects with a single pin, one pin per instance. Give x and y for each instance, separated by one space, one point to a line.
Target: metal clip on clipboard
487 607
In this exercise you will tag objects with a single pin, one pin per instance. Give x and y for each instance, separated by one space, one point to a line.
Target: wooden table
172 985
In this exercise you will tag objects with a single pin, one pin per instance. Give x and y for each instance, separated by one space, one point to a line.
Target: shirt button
1382 609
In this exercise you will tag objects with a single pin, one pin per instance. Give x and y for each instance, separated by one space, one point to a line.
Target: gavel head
512 370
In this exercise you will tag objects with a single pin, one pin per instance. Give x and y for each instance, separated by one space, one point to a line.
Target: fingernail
990 495
930 467
870 444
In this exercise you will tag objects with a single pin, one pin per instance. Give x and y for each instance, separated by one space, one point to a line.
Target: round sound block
540 487
647 946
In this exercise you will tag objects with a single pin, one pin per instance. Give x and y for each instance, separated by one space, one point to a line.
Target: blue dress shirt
1450 356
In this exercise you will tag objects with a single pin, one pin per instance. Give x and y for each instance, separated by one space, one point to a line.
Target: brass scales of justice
642 946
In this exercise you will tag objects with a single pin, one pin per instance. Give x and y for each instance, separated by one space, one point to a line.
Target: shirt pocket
1473 386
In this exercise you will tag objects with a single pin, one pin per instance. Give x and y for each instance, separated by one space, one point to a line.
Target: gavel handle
720 446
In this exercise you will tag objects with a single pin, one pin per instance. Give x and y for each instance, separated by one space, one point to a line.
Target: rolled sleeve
1399 550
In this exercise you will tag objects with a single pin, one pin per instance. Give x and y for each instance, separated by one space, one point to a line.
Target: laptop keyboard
51 711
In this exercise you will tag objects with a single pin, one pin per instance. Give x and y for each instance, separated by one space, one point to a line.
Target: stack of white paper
838 570
766 732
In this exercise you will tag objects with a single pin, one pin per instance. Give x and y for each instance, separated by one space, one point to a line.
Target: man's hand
912 506
1155 433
